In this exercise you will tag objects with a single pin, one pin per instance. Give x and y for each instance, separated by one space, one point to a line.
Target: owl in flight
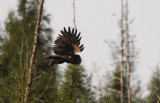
66 46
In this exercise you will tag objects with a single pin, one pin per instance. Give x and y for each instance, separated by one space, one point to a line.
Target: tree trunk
122 52
71 89
32 59
128 62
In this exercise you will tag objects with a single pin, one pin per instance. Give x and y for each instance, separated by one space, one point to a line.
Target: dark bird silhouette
66 46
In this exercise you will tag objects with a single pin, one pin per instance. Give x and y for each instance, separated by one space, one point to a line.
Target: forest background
99 23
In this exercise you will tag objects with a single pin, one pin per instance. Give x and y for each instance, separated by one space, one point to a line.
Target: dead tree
72 79
128 53
74 14
122 53
34 50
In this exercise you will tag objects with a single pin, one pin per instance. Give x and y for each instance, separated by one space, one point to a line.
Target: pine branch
33 56
37 78
158 98
47 87
156 95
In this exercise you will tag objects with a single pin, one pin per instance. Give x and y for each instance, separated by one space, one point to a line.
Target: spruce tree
15 50
76 87
112 89
154 86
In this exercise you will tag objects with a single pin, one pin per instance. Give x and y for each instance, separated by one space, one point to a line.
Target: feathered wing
51 57
68 43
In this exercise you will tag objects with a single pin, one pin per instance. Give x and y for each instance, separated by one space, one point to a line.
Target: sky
96 22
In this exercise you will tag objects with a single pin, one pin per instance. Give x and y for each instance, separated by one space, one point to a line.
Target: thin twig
158 97
46 86
74 14
36 78
41 101
114 90
110 76
117 78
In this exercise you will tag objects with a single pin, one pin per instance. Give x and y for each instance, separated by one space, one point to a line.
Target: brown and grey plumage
66 46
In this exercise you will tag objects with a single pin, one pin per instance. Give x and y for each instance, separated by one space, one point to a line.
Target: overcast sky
95 20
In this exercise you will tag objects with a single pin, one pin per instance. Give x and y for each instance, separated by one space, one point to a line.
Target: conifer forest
79 51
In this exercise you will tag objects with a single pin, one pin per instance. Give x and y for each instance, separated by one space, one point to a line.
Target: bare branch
110 76
114 90
157 94
158 97
74 14
37 78
117 78
101 87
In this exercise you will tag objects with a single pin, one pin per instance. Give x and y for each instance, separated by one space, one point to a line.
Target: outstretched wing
68 43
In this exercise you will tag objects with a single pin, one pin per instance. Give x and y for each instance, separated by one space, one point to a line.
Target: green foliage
20 27
16 48
76 88
106 99
110 95
13 86
114 83
154 83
